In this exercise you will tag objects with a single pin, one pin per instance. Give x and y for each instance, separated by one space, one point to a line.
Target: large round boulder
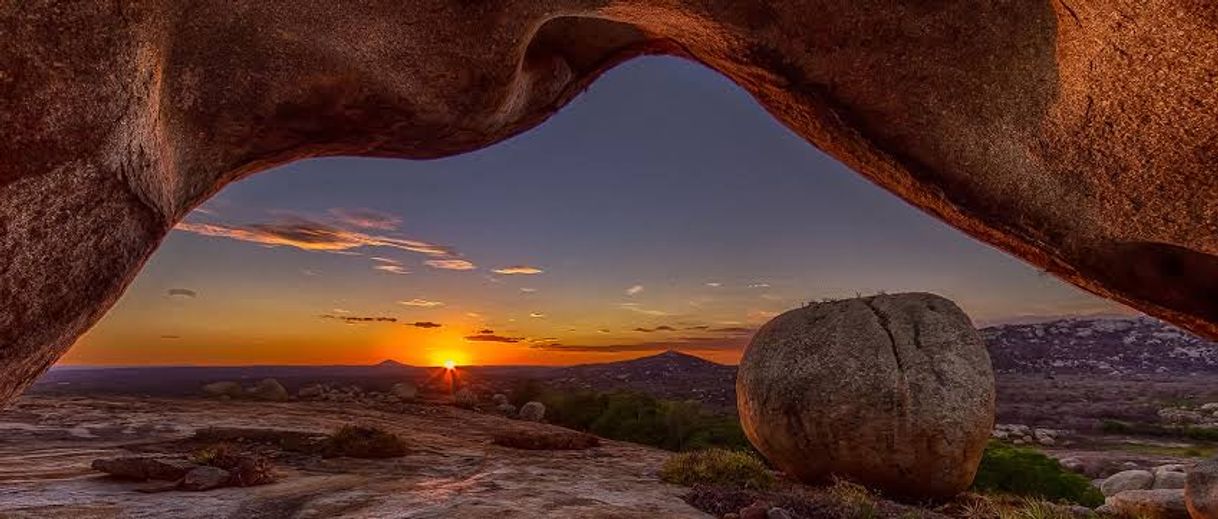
894 392
1201 490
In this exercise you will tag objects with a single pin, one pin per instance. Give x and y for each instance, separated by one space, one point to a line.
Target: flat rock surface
452 471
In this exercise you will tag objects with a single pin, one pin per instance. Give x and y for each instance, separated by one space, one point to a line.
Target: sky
662 209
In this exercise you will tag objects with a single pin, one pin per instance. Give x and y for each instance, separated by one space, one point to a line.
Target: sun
450 364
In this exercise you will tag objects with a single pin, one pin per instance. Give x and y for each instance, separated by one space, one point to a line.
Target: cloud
354 319
699 327
759 285
688 344
422 303
308 235
366 218
451 264
182 292
392 269
518 270
425 324
171 337
714 285
537 315
664 328
603 330
388 261
733 329
486 337
634 307
529 290
486 331
634 290
340 311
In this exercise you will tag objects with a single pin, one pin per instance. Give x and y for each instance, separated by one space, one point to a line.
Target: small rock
1127 480
143 468
270 390
405 391
224 388
777 513
1072 464
754 511
533 412
205 478
1201 490
1149 504
1169 480
499 399
506 409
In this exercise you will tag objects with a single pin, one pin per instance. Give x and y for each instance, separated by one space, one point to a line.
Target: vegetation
640 418
1027 472
546 439
1147 429
355 441
245 469
717 467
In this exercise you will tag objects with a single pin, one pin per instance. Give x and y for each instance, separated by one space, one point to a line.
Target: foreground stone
1149 504
205 478
1127 480
1201 490
893 391
533 412
143 468
1078 136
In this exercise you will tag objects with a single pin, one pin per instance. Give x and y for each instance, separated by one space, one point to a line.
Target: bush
354 441
245 469
640 418
717 467
548 439
1027 472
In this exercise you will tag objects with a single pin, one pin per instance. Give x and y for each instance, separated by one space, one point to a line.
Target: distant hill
670 375
1107 346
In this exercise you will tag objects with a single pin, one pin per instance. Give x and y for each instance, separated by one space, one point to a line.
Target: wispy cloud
759 285
451 264
518 270
308 235
685 344
366 218
422 303
486 337
486 331
168 337
537 315
714 284
529 290
392 269
182 292
634 290
355 319
664 328
425 324
634 307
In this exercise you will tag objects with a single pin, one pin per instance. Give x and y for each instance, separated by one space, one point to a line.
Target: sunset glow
449 364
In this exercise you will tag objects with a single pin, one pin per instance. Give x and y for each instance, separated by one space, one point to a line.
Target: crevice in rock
892 341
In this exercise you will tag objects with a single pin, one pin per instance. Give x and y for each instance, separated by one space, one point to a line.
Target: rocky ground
452 470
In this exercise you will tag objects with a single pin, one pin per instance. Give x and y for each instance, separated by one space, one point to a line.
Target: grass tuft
357 441
717 467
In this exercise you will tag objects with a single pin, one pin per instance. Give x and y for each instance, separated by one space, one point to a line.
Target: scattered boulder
205 478
777 513
533 412
311 391
1127 480
506 409
270 390
1149 504
466 398
1164 479
895 392
1073 464
499 399
224 388
1201 490
754 511
143 468
405 391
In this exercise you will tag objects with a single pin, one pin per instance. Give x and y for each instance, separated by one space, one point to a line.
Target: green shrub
641 418
354 441
717 467
1027 472
1115 427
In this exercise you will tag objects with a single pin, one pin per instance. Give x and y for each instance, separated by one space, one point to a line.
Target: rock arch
1079 135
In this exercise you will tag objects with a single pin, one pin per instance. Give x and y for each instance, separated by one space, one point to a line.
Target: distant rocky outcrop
892 391
224 389
270 390
1109 346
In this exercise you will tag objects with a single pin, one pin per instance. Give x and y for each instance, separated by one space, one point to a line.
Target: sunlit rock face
893 391
1078 135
